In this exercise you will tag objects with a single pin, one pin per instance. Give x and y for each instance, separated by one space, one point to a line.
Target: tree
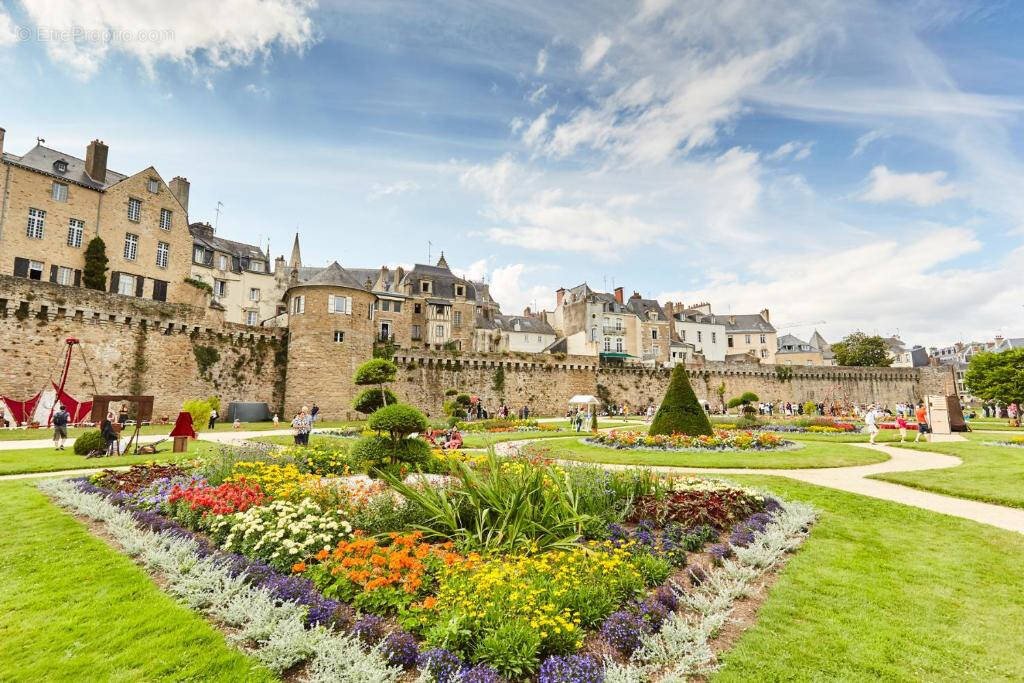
862 350
746 399
392 446
997 376
95 274
680 412
377 371
371 400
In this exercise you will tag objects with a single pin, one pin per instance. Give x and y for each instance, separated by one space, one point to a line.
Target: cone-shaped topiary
680 412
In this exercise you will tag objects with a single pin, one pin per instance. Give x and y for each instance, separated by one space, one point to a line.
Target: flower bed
720 441
831 428
498 426
1014 442
518 569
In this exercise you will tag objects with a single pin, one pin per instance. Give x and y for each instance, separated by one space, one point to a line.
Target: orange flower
299 567
430 602
322 555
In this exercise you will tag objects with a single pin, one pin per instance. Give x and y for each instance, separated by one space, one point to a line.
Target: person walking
277 420
60 427
213 419
921 414
301 425
901 422
314 413
870 418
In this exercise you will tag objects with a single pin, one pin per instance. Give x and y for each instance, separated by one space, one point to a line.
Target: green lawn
49 460
30 434
993 474
73 609
813 454
314 440
483 440
884 436
882 591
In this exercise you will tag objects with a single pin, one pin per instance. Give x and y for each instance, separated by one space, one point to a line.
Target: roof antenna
429 245
40 141
216 221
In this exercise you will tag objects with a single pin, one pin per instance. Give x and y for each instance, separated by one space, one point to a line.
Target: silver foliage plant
273 633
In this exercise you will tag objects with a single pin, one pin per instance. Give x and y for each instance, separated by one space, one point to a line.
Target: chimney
96 161
399 274
618 294
2 133
204 230
764 314
559 295
527 313
179 188
636 295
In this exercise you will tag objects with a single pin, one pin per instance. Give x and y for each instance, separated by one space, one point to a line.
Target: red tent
22 410
183 426
78 411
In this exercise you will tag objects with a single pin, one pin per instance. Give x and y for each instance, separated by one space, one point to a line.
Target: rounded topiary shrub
91 441
680 412
379 453
398 420
371 400
371 451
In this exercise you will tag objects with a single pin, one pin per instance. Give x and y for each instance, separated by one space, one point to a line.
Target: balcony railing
384 338
611 329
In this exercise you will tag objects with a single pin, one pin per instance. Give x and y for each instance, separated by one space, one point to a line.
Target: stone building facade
53 203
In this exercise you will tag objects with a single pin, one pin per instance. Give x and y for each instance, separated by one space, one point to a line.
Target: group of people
302 424
874 413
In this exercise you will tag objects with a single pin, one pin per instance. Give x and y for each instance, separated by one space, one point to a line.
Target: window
36 217
425 286
654 334
254 294
607 343
257 266
75 230
339 336
35 270
416 308
654 349
764 353
251 318
684 335
398 307
298 304
126 284
416 333
65 276
220 287
162 251
700 336
134 209
618 345
385 305
459 290
729 340
165 219
746 338
131 246
338 304
457 319
714 337
59 192
198 254
763 340
153 185
222 262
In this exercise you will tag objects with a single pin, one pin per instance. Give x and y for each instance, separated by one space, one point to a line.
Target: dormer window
60 166
425 286
153 185
460 290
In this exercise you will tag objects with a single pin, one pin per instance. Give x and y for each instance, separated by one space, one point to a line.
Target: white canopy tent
584 400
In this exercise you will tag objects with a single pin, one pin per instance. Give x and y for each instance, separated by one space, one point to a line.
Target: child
921 414
901 422
237 424
277 420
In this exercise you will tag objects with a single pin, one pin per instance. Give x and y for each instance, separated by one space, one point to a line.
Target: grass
882 591
992 474
25 460
73 609
884 436
314 440
37 434
811 455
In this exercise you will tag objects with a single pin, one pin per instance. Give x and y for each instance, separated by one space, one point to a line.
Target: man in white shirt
870 419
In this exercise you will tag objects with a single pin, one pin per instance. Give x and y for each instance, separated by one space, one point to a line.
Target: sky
849 166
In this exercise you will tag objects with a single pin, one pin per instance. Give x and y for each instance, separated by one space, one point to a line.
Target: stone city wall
172 351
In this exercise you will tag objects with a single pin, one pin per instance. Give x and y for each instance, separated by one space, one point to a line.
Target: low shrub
136 477
696 502
90 441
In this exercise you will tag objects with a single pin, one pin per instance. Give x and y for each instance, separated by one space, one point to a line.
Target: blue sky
853 163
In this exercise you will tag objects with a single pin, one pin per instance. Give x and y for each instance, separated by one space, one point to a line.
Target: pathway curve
855 480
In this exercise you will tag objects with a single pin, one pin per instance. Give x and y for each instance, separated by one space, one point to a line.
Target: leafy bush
745 399
376 454
91 441
398 420
810 408
700 502
200 410
512 649
94 276
371 400
680 412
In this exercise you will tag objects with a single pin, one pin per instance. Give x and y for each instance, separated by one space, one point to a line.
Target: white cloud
195 33
8 31
533 133
865 140
379 191
257 90
923 189
542 61
595 52
474 271
794 149
538 94
508 289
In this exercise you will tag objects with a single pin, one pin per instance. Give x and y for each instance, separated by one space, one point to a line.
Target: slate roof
41 159
332 275
643 306
239 249
790 344
443 280
519 323
746 323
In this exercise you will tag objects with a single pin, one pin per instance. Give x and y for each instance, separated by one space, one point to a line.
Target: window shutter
53 273
330 303
78 278
114 278
159 290
20 267
348 305
139 283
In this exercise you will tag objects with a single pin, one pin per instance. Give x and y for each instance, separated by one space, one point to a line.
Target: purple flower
623 630
652 612
481 673
697 575
667 597
571 669
741 536
719 552
370 630
759 521
400 649
444 665
772 505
